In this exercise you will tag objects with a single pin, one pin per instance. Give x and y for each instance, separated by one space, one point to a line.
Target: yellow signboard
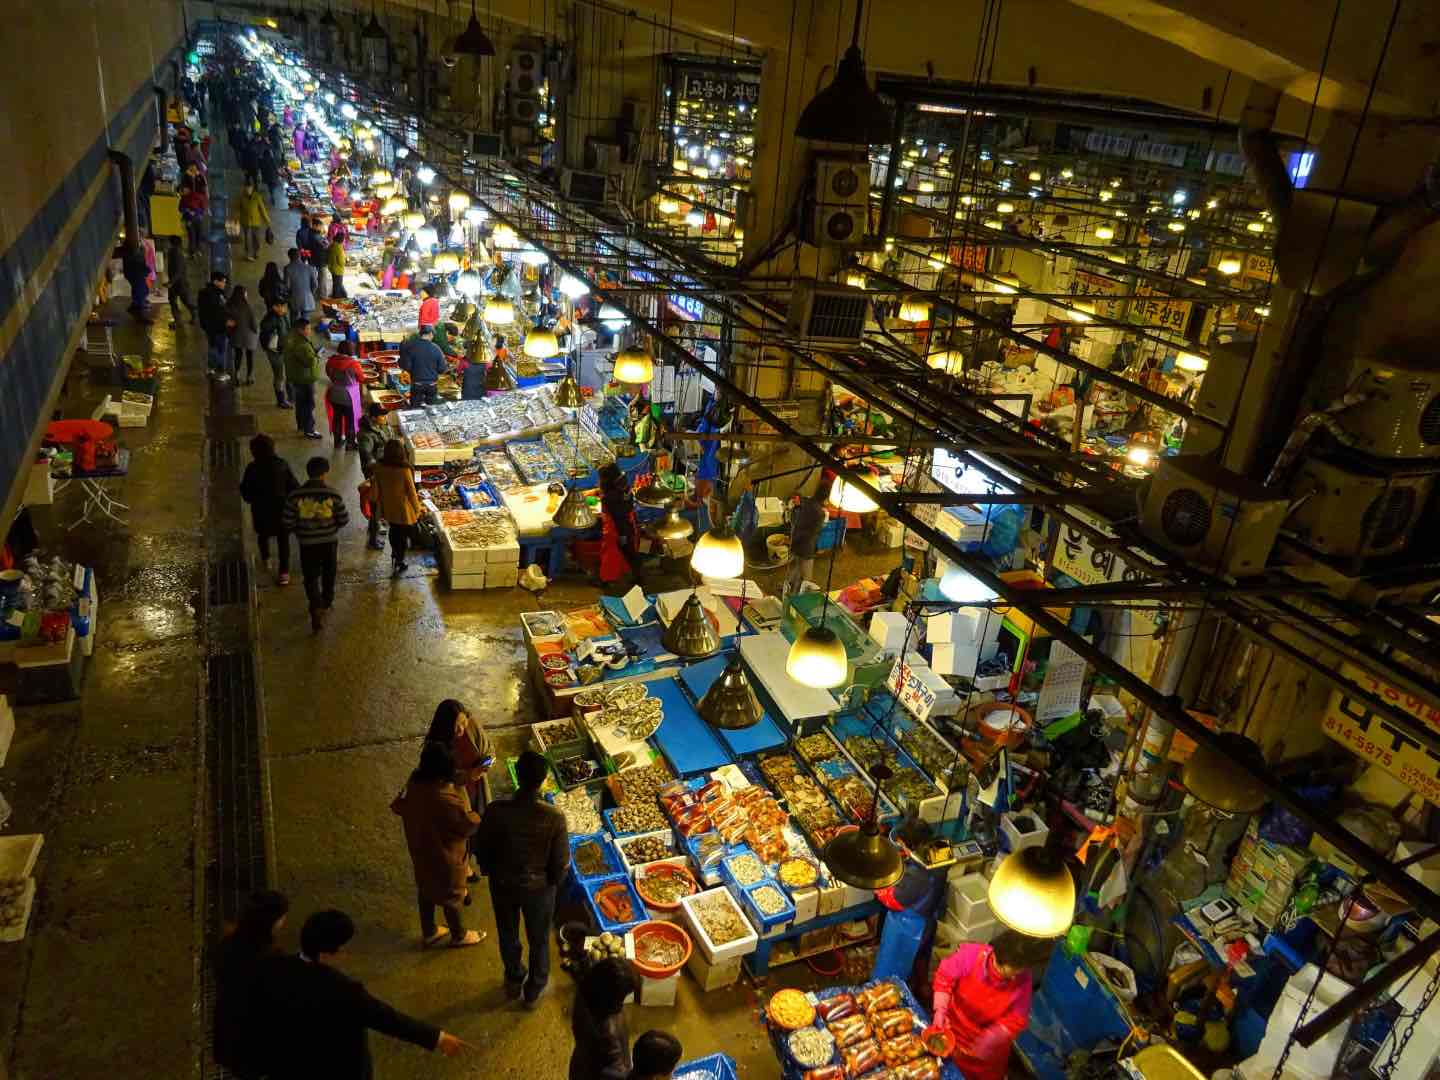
1374 738
1154 308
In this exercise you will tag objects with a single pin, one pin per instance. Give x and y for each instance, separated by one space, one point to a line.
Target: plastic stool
540 550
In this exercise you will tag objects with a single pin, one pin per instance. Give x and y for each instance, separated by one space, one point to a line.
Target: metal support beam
1309 1033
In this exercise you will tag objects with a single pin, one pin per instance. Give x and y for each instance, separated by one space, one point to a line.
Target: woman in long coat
438 825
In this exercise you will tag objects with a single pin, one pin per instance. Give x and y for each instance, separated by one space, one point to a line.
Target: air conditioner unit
828 313
1350 509
842 201
1220 520
524 75
1400 416
486 144
524 109
584 187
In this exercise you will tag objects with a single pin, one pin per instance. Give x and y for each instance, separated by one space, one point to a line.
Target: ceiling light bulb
1035 176
719 553
1005 208
446 262
914 309
966 200
668 205
1106 196
846 495
634 366
1256 226
412 219
425 174
1104 232
817 658
498 311
1228 265
541 344
1190 362
458 201
394 205
1139 454
950 361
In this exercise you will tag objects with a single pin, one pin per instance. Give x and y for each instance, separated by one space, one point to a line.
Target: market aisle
105 980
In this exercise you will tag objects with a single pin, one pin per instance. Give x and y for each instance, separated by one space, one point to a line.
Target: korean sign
1155 309
910 689
1090 284
1077 556
719 88
1374 738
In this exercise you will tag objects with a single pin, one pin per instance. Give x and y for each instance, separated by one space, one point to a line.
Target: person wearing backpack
266 484
274 328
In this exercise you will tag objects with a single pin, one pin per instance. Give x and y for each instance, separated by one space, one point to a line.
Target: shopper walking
342 396
272 285
238 962
274 329
424 361
315 513
301 282
452 727
373 435
137 275
397 500
177 274
302 372
335 260
266 485
602 1040
806 520
244 335
215 321
317 1020
254 218
522 846
438 825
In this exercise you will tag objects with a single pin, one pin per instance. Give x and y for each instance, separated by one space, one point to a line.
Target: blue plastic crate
832 534
477 496
709 1067
612 857
637 904
728 876
610 823
764 922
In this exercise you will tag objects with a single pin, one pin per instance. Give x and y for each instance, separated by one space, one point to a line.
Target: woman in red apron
982 997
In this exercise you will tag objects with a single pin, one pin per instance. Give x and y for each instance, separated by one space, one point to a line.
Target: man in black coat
315 1020
215 321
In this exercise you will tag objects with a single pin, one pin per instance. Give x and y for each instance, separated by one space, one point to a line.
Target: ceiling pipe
129 208
1259 144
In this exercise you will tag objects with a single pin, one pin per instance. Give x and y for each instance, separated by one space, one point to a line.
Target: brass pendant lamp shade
574 511
498 378
473 40
817 658
848 111
865 858
730 703
567 393
634 366
1211 776
673 525
719 553
541 344
690 634
1033 893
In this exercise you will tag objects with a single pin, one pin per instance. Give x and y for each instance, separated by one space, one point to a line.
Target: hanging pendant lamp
865 858
473 40
574 511
1211 776
730 703
848 496
446 262
817 658
541 344
848 110
469 283
690 633
634 366
498 378
1033 893
958 584
674 526
719 553
567 393
373 30
499 311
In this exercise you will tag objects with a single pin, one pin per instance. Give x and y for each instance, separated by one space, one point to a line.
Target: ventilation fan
842 202
830 314
524 74
1350 509
1218 519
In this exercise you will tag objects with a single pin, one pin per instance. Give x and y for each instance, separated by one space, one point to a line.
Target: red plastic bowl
664 930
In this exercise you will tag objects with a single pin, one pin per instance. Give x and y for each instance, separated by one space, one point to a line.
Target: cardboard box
713 976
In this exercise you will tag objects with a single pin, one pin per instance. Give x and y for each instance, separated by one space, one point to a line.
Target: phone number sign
1374 738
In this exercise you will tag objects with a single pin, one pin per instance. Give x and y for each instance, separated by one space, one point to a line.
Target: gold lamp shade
914 309
574 511
634 366
690 634
950 361
719 554
412 219
1033 893
864 859
459 202
848 496
817 658
567 393
499 311
1211 776
730 703
498 378
673 525
541 344
394 205
446 262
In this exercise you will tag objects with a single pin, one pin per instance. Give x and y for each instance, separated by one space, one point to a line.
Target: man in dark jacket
522 846
314 514
806 521
422 358
215 320
316 1020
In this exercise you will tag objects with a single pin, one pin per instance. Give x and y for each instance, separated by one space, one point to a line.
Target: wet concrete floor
107 980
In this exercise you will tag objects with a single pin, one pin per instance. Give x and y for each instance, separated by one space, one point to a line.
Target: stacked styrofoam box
1022 829
968 909
494 567
769 511
17 860
961 640
888 629
947 702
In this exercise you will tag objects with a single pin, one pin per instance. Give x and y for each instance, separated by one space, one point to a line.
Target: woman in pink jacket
982 997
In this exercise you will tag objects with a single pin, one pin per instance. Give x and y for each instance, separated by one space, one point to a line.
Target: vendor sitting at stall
982 998
618 528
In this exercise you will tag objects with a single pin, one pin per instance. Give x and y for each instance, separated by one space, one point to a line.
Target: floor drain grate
225 455
229 582
237 864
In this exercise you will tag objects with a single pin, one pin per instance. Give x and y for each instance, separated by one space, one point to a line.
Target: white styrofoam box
942 628
890 534
711 975
732 950
806 901
889 628
950 658
832 898
1317 1060
7 727
659 991
499 577
769 511
854 896
660 834
1022 829
467 579
981 930
969 899
462 558
503 554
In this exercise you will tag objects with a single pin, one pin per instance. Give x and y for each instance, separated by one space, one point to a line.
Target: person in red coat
618 527
982 997
342 399
429 308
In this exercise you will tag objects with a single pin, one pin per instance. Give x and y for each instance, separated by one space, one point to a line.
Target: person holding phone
453 728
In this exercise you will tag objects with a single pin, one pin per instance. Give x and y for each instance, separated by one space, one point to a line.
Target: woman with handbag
342 399
438 825
398 501
244 335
